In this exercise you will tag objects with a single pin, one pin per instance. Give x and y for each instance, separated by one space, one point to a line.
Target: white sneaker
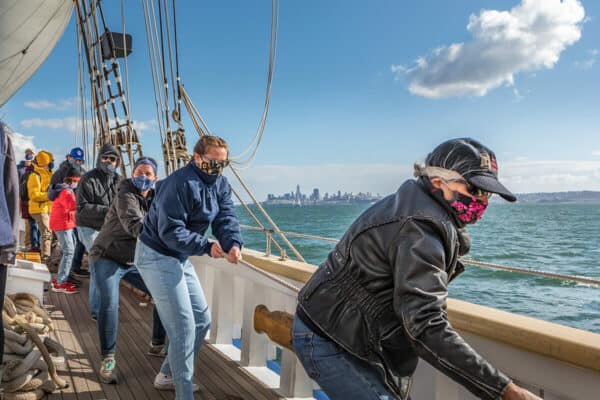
165 382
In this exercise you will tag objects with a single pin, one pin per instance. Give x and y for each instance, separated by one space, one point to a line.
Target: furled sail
29 30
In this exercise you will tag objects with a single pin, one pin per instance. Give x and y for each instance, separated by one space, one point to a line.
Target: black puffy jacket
381 293
122 225
95 192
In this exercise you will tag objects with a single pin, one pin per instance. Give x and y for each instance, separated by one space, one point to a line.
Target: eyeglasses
109 158
473 190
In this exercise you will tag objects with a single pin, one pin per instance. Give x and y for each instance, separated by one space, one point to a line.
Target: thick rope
26 369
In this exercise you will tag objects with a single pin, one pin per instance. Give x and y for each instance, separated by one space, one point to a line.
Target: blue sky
362 90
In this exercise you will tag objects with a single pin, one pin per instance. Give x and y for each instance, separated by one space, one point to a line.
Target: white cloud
60 105
529 37
20 143
596 153
523 176
73 124
67 123
592 57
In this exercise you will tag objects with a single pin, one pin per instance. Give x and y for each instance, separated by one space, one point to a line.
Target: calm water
562 238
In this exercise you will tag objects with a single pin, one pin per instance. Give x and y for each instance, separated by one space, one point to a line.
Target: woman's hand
216 251
514 392
234 255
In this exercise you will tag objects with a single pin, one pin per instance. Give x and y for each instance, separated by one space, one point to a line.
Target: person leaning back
187 202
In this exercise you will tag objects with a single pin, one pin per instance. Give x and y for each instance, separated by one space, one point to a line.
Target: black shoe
74 281
82 273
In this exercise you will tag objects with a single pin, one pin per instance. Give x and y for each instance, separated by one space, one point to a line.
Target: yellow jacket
37 190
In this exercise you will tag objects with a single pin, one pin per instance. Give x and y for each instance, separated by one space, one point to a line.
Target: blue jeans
66 239
182 307
108 275
78 255
341 375
34 233
87 237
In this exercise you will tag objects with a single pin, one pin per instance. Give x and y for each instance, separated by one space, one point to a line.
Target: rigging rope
256 141
468 261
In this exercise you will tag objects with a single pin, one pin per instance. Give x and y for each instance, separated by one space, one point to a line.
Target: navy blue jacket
9 198
183 209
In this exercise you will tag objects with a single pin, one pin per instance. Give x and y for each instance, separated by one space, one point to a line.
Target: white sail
29 30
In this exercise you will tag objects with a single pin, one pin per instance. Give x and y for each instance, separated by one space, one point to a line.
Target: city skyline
296 197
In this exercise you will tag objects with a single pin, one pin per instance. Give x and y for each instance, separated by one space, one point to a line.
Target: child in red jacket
62 222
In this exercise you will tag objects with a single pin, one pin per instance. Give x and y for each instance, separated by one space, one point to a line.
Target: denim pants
34 233
341 375
66 239
87 237
182 307
78 255
108 275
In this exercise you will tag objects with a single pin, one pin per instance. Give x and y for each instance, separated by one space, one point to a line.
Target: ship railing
554 361
468 261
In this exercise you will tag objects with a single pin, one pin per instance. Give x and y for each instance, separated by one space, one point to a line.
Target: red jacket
62 216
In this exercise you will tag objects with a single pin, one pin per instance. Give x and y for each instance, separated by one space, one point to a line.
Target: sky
361 90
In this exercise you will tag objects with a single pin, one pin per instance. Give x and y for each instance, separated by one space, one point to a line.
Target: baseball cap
77 153
475 162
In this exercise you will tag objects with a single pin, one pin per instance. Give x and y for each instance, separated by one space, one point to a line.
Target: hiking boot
159 350
165 382
108 373
81 273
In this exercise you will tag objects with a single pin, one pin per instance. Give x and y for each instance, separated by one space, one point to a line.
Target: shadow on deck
219 378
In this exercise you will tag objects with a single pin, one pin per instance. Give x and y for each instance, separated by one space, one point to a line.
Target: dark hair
72 173
205 142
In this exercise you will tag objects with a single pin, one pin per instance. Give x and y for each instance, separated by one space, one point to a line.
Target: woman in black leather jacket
378 303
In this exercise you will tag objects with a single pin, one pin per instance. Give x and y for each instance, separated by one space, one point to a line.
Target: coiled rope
28 372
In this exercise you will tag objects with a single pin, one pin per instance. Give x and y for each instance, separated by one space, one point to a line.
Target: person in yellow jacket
39 205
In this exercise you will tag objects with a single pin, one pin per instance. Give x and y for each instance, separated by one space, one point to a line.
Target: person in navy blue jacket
187 203
9 214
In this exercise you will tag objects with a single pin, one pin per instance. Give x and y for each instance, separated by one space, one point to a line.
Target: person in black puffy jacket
95 193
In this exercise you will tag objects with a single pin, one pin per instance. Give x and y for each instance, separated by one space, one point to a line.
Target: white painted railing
233 291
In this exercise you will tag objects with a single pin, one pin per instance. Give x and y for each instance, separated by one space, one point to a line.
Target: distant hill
584 196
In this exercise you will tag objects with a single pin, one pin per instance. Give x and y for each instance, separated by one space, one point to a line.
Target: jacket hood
108 149
54 190
43 158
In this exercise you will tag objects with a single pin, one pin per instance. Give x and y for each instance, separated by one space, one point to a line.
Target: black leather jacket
381 293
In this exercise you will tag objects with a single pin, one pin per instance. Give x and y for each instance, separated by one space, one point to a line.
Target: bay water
562 238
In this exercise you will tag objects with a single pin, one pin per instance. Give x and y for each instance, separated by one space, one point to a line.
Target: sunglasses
473 190
109 158
215 164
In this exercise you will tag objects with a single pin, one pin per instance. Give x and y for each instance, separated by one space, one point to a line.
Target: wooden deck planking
219 378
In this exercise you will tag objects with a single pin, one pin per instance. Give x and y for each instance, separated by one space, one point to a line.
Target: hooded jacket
122 225
38 184
381 293
184 207
9 198
62 216
95 193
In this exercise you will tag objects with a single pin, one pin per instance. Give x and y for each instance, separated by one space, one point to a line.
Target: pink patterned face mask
469 210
